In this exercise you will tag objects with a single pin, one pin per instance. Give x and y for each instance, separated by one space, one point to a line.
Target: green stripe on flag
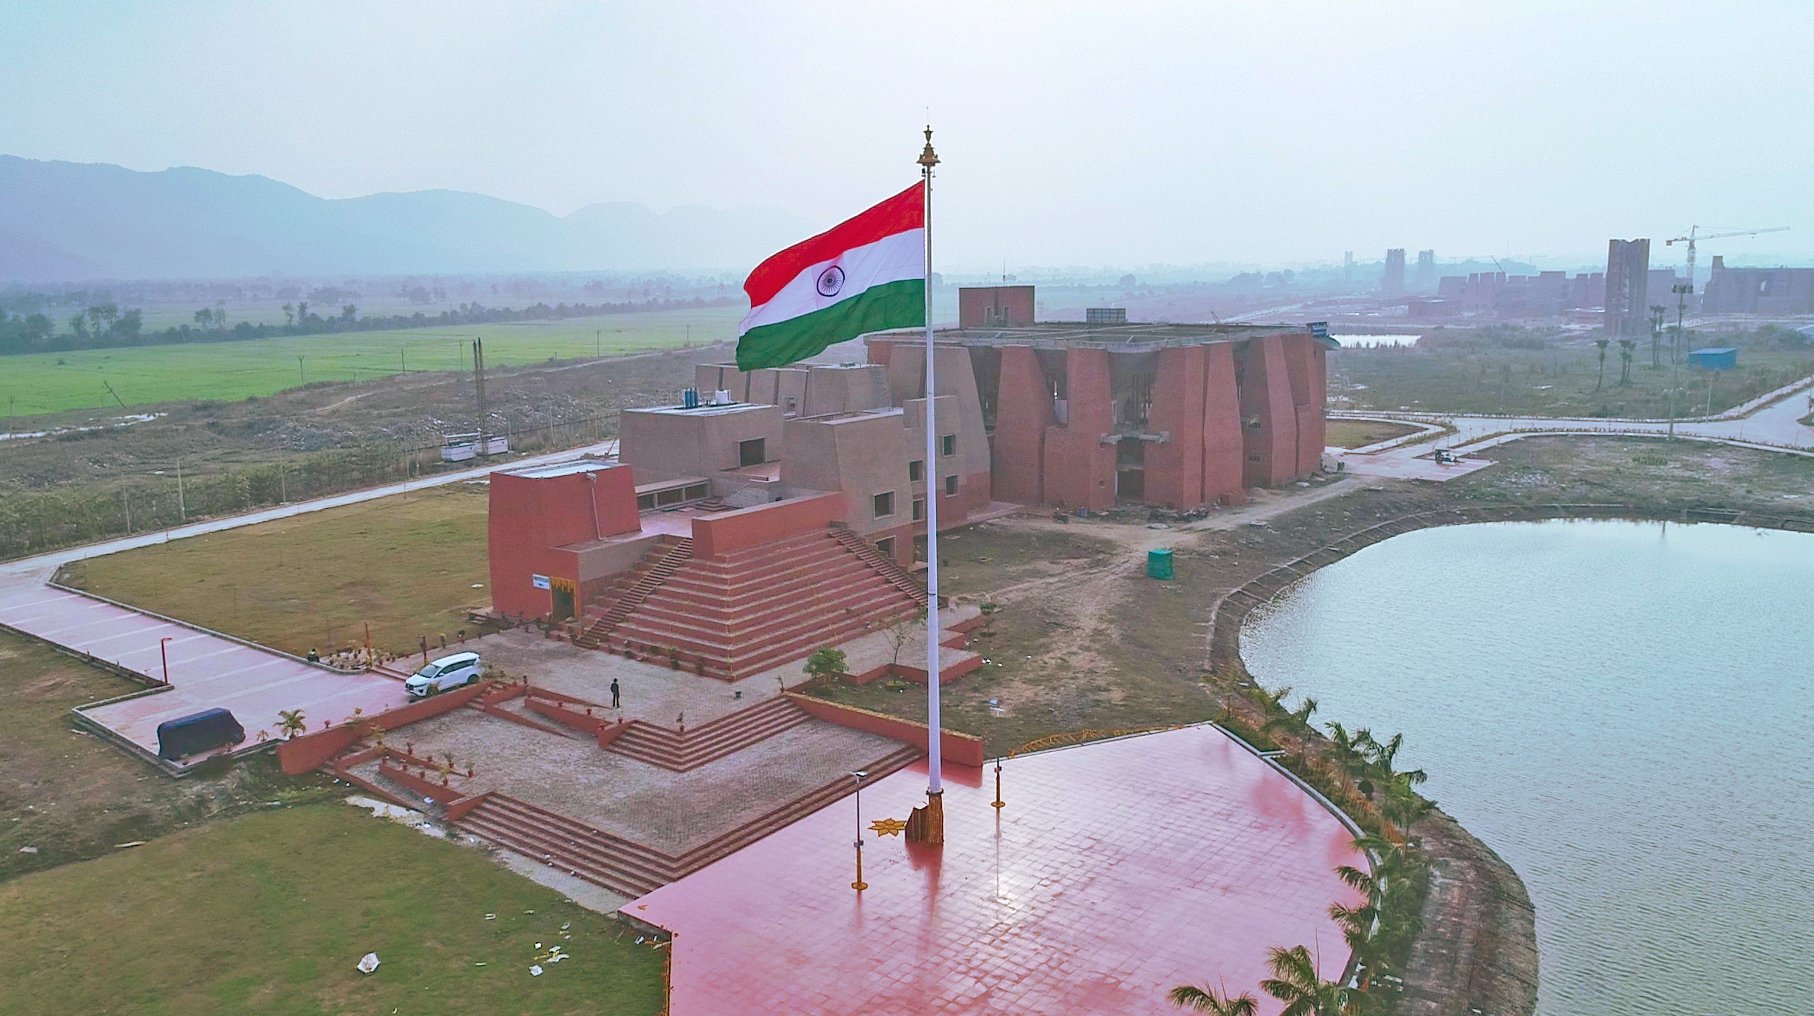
899 304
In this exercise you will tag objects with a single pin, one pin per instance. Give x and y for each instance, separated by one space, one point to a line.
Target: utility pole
127 504
182 508
402 364
478 383
300 379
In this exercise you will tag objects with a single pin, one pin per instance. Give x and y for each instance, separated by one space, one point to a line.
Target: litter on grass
368 963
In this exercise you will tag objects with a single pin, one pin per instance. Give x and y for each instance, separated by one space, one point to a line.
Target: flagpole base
927 823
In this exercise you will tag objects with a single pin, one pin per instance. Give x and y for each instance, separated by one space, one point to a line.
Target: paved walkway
1772 423
206 670
1118 871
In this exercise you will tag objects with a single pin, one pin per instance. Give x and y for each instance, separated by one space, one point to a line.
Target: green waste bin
1159 563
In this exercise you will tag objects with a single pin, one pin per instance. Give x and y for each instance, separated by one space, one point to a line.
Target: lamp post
860 775
1681 291
164 653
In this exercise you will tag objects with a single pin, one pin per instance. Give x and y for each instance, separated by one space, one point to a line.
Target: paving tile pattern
670 811
1118 871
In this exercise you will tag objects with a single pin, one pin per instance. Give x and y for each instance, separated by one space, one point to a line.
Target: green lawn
66 795
1361 433
53 382
269 913
405 564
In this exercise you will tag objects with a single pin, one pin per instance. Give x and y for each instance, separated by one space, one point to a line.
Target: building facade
1392 280
1168 415
1627 288
1758 290
994 306
755 466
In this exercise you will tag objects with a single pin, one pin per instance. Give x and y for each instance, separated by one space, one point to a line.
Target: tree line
107 326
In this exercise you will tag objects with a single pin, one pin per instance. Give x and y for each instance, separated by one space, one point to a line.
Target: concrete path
206 669
1772 422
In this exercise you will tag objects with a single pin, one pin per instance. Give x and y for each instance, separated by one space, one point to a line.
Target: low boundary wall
959 749
309 751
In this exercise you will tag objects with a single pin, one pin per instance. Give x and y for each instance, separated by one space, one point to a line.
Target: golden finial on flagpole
928 157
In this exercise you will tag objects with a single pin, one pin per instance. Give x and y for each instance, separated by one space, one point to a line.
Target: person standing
614 694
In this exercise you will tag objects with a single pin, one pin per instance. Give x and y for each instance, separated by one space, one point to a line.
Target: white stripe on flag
890 259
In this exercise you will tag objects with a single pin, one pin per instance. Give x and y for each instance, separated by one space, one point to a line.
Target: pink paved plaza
1117 871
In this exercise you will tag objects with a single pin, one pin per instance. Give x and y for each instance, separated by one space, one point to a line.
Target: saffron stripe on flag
904 211
890 259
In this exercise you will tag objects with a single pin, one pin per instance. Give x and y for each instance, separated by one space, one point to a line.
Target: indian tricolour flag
864 275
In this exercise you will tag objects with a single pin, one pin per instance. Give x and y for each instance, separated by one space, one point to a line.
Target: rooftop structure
1392 280
1088 416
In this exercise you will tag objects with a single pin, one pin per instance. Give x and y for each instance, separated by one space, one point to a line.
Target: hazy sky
1114 133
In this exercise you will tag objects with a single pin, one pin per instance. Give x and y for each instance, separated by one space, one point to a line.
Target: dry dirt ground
1083 639
303 443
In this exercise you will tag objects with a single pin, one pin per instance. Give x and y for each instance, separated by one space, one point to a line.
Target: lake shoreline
1479 946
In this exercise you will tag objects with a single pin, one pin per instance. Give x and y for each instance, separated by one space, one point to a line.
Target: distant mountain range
72 222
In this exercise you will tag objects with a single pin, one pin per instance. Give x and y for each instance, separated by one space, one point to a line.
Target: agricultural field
270 913
41 383
1512 372
406 566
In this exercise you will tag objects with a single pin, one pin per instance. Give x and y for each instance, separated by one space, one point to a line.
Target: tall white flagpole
934 486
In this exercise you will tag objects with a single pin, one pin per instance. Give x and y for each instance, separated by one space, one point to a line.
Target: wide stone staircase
882 563
626 867
635 586
745 612
681 750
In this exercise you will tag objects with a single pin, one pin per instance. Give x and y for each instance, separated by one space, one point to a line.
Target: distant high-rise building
1392 283
1425 280
1627 288
1348 268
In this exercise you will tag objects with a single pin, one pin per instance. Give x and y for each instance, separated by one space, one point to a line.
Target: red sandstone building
777 510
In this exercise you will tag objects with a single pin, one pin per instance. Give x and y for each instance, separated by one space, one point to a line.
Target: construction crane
1695 236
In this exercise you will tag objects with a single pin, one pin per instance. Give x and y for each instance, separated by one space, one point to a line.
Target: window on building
790 406
698 492
645 502
948 444
751 452
919 509
916 470
886 546
882 505
950 484
671 496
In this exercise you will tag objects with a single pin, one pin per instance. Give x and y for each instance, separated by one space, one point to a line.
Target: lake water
1623 711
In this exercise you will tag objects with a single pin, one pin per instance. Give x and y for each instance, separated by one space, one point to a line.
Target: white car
443 674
